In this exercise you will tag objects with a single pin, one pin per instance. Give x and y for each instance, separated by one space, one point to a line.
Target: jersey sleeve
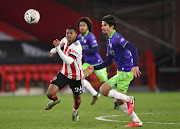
62 42
121 41
92 40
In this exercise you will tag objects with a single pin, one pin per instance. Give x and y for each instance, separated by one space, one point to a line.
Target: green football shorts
120 82
101 74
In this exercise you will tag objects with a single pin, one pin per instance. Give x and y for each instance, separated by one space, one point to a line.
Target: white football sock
117 95
133 115
89 87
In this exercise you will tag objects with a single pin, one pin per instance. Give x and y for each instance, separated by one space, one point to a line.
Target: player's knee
104 91
49 94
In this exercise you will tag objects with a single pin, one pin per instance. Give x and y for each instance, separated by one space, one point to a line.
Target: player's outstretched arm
52 52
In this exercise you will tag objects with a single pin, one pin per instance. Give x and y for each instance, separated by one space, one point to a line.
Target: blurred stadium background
151 25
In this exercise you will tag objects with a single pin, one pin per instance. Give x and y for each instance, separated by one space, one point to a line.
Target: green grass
27 112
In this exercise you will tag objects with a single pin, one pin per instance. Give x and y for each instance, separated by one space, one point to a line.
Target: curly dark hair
87 21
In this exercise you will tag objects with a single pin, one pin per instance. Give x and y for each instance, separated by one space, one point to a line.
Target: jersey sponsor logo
112 52
85 47
75 43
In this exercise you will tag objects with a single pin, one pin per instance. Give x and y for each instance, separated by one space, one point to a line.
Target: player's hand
56 42
88 70
51 54
136 71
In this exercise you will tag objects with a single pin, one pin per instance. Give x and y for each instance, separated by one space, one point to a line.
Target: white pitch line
103 118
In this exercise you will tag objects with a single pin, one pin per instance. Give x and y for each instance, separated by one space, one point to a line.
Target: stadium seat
10 77
2 73
56 68
47 73
34 75
19 71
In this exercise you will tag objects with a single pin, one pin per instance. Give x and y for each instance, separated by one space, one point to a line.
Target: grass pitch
157 111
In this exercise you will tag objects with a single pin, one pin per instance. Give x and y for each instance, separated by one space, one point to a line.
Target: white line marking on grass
104 118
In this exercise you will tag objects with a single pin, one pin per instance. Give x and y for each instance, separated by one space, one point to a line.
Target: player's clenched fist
56 42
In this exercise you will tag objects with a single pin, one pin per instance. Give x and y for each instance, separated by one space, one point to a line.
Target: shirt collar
85 33
112 33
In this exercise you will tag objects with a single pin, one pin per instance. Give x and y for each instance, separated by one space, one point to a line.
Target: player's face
71 35
83 27
105 27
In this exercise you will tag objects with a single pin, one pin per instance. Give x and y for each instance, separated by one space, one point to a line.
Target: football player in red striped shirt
71 72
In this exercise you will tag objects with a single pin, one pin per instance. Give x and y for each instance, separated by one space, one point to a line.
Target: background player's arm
94 45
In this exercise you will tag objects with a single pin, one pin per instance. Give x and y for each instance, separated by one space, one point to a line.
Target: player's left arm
126 44
134 52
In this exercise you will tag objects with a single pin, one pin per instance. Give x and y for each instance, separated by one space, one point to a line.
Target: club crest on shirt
85 41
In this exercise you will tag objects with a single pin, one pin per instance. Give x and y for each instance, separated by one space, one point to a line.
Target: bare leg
51 92
77 102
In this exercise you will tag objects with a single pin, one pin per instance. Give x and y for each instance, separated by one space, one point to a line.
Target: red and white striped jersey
73 70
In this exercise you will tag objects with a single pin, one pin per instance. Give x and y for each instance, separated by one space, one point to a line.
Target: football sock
89 87
133 115
54 98
117 95
77 103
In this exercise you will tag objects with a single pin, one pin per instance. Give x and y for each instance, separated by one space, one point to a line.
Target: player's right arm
53 50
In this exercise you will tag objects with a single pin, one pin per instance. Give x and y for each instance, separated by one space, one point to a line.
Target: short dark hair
72 28
87 21
110 19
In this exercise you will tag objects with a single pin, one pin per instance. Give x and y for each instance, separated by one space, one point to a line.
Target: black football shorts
61 81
